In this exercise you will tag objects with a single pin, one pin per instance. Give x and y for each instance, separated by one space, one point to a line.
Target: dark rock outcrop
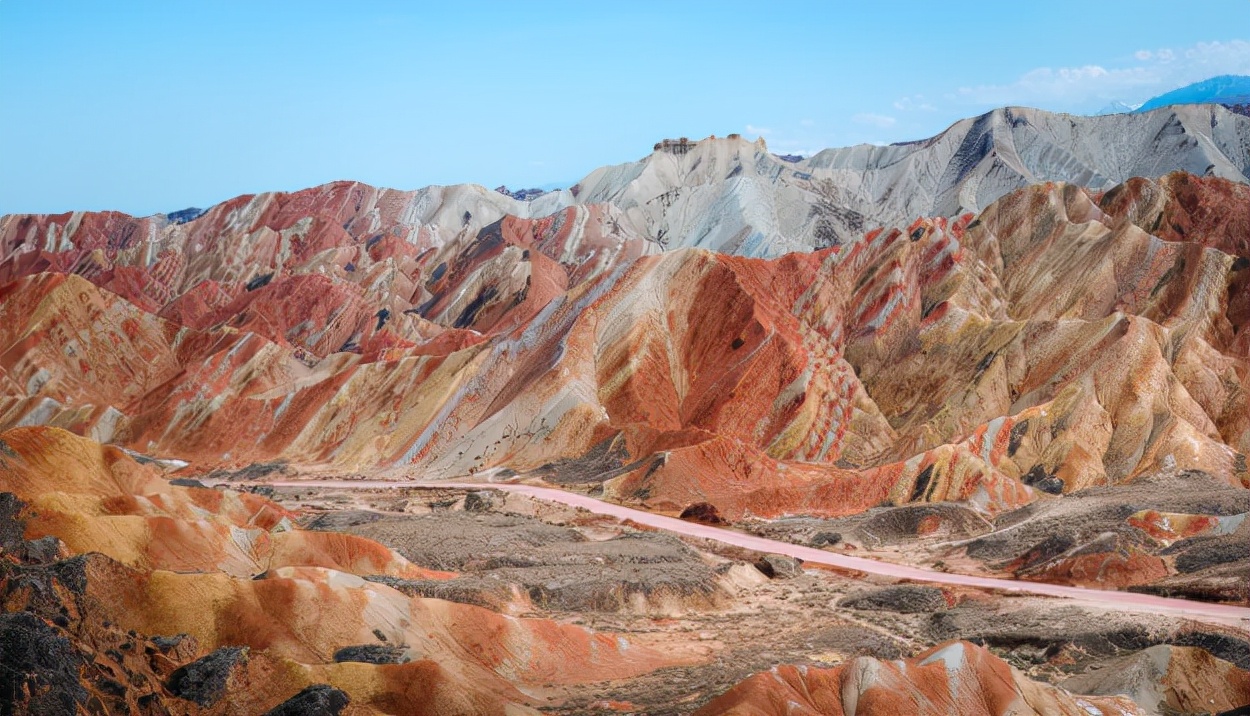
40 665
481 501
702 512
779 566
906 599
316 700
204 680
371 654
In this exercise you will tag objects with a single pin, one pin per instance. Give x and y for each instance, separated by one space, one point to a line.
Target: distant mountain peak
1117 107
1225 89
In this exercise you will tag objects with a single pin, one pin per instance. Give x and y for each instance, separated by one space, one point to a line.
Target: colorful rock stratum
999 352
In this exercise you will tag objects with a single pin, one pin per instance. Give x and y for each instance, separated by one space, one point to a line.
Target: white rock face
731 195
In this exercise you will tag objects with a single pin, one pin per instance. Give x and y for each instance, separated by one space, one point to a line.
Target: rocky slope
123 592
978 160
729 195
1061 340
956 678
1170 679
966 679
733 197
1052 387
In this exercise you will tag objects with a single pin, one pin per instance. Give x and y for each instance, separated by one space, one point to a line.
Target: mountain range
1224 89
1019 349
1229 91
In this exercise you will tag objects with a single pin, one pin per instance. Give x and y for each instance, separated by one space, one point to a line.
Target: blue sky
146 107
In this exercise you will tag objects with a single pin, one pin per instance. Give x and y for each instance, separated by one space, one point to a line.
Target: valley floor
824 611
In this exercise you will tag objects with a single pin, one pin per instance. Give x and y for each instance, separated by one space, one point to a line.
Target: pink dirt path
1105 599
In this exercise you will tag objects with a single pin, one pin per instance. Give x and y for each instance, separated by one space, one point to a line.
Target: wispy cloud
1164 55
875 120
913 103
758 131
1147 73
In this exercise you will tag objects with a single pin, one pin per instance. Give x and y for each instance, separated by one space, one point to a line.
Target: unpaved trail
1098 598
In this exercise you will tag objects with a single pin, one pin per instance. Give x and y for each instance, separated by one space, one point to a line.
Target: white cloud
758 131
875 120
913 103
1148 73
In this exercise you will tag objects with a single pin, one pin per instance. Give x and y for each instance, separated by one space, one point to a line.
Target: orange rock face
1171 679
1170 527
231 569
953 678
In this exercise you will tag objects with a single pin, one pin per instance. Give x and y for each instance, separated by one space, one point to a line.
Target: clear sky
155 106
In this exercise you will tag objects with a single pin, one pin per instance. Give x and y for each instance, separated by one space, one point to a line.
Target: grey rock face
316 700
204 680
370 654
779 566
906 599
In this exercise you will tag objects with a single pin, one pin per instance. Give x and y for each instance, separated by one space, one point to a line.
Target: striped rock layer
957 677
1058 340
139 560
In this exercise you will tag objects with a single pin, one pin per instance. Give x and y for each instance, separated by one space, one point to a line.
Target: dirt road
1097 598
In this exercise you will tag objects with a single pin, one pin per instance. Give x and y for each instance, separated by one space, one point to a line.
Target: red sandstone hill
1060 340
906 350
956 678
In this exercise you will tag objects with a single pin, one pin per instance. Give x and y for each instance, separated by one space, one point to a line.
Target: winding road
1105 599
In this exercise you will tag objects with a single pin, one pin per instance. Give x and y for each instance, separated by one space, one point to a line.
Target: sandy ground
532 551
1099 599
